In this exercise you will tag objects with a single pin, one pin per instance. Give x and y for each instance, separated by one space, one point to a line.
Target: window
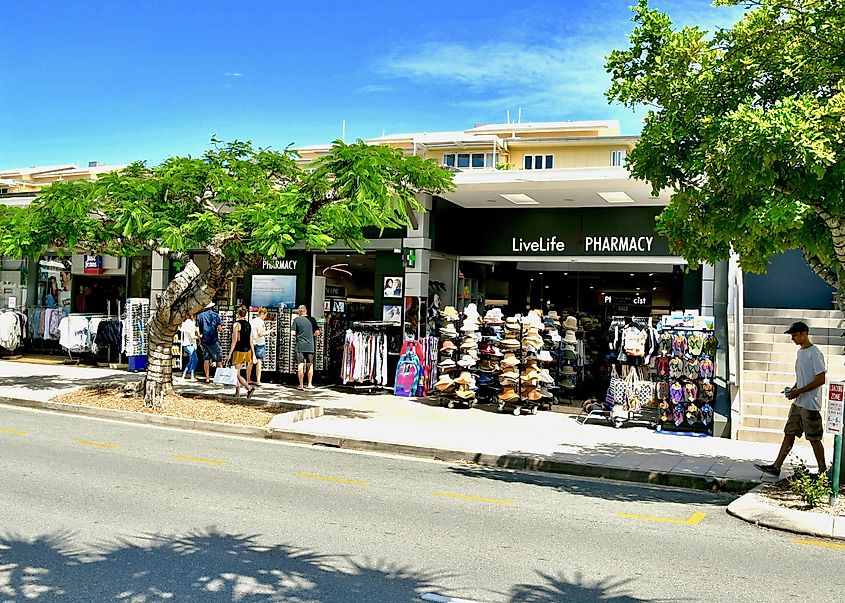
539 162
4 191
475 161
617 158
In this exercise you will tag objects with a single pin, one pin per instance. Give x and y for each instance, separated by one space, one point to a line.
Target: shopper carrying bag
226 375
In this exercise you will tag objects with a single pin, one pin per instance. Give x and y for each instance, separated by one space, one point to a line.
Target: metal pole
837 462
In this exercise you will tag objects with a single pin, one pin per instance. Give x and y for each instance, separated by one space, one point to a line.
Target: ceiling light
520 199
565 274
638 290
654 288
591 287
632 274
617 197
547 286
341 268
651 274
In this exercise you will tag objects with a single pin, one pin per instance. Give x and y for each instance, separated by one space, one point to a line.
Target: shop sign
541 244
618 244
279 264
335 291
92 264
835 403
624 299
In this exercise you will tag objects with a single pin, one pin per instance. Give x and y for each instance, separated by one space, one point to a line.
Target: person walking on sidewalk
303 326
189 344
208 324
259 342
806 395
241 353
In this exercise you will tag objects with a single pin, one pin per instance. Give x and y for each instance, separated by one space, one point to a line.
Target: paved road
95 510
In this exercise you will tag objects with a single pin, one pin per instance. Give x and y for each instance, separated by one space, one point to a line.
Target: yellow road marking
477 498
14 432
97 444
198 460
829 545
693 519
325 478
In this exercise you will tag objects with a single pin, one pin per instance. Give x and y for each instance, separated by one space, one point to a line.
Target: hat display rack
684 366
525 382
458 357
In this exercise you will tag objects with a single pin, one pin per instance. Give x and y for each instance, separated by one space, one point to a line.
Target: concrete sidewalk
551 442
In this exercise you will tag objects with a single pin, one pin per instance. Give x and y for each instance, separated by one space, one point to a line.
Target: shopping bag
227 375
616 390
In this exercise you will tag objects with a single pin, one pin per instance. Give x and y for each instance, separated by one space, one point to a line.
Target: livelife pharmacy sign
835 403
549 232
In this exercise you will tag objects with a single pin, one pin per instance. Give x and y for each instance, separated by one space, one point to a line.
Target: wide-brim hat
546 376
570 323
465 393
567 370
465 378
466 345
568 354
545 356
509 360
448 346
446 365
552 314
494 316
510 344
469 325
444 380
508 394
466 361
449 312
570 337
449 331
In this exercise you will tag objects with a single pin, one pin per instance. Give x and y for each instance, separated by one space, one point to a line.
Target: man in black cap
805 413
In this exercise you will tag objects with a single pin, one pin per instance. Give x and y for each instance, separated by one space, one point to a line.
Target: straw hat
510 360
448 346
545 356
469 325
571 323
567 370
508 394
465 378
570 337
466 361
465 393
450 313
448 331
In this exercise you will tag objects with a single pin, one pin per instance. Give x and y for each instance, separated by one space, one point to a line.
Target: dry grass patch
237 412
781 494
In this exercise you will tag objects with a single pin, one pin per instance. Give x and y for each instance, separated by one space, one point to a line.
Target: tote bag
227 375
616 390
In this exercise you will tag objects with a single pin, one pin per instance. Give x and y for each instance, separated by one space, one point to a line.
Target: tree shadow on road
199 566
554 589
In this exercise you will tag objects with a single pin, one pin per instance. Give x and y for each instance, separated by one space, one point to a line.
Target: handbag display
616 390
227 375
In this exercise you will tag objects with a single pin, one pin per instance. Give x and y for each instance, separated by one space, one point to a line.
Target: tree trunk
185 296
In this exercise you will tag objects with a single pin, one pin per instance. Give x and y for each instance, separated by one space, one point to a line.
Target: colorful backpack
679 345
407 374
665 343
676 368
678 414
661 366
711 344
676 391
705 368
691 369
695 343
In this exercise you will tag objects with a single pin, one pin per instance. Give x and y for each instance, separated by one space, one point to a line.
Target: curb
507 461
751 508
521 462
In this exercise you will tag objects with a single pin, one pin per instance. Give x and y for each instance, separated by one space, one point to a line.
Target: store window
539 162
617 158
140 275
474 161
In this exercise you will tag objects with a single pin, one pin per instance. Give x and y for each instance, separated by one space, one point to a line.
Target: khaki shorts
806 422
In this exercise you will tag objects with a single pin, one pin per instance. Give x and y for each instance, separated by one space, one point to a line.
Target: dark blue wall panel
788 283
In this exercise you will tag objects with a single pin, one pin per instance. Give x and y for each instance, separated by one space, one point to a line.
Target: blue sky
118 81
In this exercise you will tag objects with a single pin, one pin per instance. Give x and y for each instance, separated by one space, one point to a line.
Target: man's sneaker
770 469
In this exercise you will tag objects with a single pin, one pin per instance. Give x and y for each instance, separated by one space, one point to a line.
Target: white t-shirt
259 329
189 329
808 364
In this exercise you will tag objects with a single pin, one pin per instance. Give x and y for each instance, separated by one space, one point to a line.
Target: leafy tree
236 203
747 128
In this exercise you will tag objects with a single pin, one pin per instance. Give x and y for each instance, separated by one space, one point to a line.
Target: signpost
835 406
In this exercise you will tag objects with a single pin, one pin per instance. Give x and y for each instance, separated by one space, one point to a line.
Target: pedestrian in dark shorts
806 395
305 331
209 326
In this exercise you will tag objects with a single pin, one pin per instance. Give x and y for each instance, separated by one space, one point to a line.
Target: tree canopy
746 126
235 202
